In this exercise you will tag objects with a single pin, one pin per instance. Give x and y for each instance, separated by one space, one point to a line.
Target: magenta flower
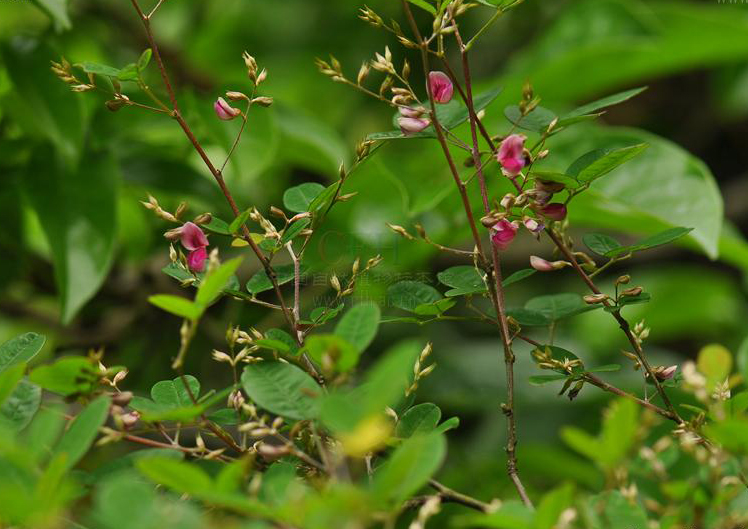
196 259
511 154
194 240
225 111
192 236
666 373
554 211
541 265
440 87
410 126
502 233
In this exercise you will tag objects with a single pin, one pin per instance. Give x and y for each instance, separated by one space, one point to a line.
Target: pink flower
225 111
511 154
502 233
554 211
196 259
541 265
192 236
532 225
440 87
410 126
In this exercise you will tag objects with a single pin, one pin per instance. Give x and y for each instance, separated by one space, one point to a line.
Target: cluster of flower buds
545 360
419 371
252 70
64 71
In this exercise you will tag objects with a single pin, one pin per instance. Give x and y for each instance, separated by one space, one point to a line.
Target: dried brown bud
263 100
632 291
595 298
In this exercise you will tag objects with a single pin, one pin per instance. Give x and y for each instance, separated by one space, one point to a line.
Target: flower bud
225 111
541 265
665 373
204 218
623 280
595 298
236 96
263 101
440 87
409 126
532 225
412 112
632 291
554 211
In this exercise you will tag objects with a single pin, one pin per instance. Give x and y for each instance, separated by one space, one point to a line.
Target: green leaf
541 380
664 237
41 105
20 349
601 244
145 59
449 424
423 4
420 419
529 318
581 442
607 368
663 187
407 295
260 282
618 435
435 308
552 505
715 363
298 199
558 306
632 300
177 475
172 394
320 315
294 229
81 434
537 121
178 306
331 349
9 379
600 162
128 73
218 226
99 69
359 325
518 276
511 515
57 10
66 376
463 280
608 101
280 335
239 221
450 116
77 210
409 468
282 389
18 409
216 280
273 345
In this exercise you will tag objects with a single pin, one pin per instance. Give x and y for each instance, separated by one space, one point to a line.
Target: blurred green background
80 254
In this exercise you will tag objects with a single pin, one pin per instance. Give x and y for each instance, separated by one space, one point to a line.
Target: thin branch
213 170
453 496
622 322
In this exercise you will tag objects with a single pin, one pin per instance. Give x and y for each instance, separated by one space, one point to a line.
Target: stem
622 322
453 496
213 170
595 381
497 294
